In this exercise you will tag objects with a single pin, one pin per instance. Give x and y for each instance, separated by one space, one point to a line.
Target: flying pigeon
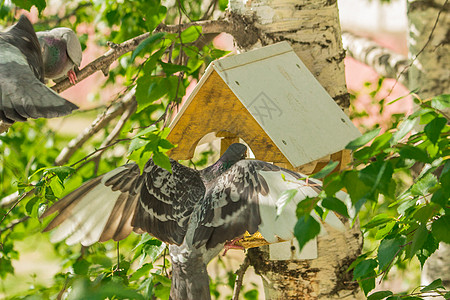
195 212
61 51
22 92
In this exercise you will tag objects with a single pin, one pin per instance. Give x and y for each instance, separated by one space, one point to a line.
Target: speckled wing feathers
167 201
231 205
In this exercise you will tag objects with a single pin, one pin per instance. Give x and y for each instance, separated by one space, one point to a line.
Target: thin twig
96 126
240 277
421 50
116 131
209 26
14 223
58 20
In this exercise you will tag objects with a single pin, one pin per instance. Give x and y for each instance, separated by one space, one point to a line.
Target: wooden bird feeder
271 100
268 98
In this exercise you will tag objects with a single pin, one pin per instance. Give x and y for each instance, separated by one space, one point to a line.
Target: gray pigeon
61 51
196 212
22 92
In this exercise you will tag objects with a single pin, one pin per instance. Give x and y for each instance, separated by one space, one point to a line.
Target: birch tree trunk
313 30
429 47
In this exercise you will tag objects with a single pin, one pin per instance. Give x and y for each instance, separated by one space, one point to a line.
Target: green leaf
418 240
436 284
284 199
364 267
150 89
440 197
165 145
145 131
326 170
356 188
379 295
27 4
162 290
365 273
378 175
336 205
423 185
306 229
57 187
403 129
415 153
383 231
434 128
162 160
429 247
332 184
388 250
81 267
191 34
142 271
29 207
362 140
424 213
441 229
169 69
251 295
153 249
62 172
148 41
441 102
305 207
137 144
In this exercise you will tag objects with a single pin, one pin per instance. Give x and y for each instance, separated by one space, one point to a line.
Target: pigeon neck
217 168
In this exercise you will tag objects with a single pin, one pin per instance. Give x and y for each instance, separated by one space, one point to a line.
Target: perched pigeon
61 51
22 92
196 212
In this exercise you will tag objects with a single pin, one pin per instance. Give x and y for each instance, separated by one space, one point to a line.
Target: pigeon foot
72 77
232 245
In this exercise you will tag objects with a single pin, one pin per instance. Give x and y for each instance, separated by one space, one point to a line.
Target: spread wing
101 209
167 201
246 198
123 200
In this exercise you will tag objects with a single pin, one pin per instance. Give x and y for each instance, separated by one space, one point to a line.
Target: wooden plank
215 108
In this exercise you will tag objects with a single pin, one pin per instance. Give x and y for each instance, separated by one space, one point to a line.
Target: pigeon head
233 154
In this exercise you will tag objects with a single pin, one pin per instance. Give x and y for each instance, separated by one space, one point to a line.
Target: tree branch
208 26
240 277
116 131
99 123
386 62
13 224
58 20
103 62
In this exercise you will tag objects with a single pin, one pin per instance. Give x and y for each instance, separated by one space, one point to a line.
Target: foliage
159 69
407 213
403 180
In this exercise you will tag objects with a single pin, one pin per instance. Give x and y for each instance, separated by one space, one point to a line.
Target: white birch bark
429 47
312 28
385 62
430 71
